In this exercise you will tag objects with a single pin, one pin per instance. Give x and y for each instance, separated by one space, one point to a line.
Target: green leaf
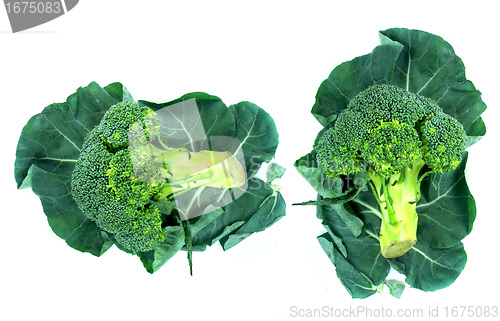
343 213
431 269
174 241
396 288
351 77
216 119
333 201
426 268
274 171
356 283
64 216
256 131
213 234
429 66
415 60
326 186
445 213
258 208
270 211
362 251
52 139
188 241
26 182
205 233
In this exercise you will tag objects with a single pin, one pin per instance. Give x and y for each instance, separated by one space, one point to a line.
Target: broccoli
125 172
398 138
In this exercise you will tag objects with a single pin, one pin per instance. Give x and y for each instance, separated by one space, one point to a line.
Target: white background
273 53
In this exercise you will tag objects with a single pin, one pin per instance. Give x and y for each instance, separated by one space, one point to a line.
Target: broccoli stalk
184 170
397 196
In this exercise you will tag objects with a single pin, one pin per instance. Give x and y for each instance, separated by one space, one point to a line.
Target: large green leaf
256 131
271 209
265 204
47 151
259 207
415 60
360 249
52 139
64 216
446 210
216 120
429 66
356 283
430 269
351 77
427 268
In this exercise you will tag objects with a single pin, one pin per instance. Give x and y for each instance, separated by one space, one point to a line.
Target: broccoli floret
443 142
398 137
125 169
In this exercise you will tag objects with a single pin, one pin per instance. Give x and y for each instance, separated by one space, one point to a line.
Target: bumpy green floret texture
391 146
104 185
443 142
389 128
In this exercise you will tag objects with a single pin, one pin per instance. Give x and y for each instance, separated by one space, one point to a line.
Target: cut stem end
396 249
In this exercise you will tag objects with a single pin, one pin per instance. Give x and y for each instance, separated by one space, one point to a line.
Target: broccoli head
125 171
398 137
